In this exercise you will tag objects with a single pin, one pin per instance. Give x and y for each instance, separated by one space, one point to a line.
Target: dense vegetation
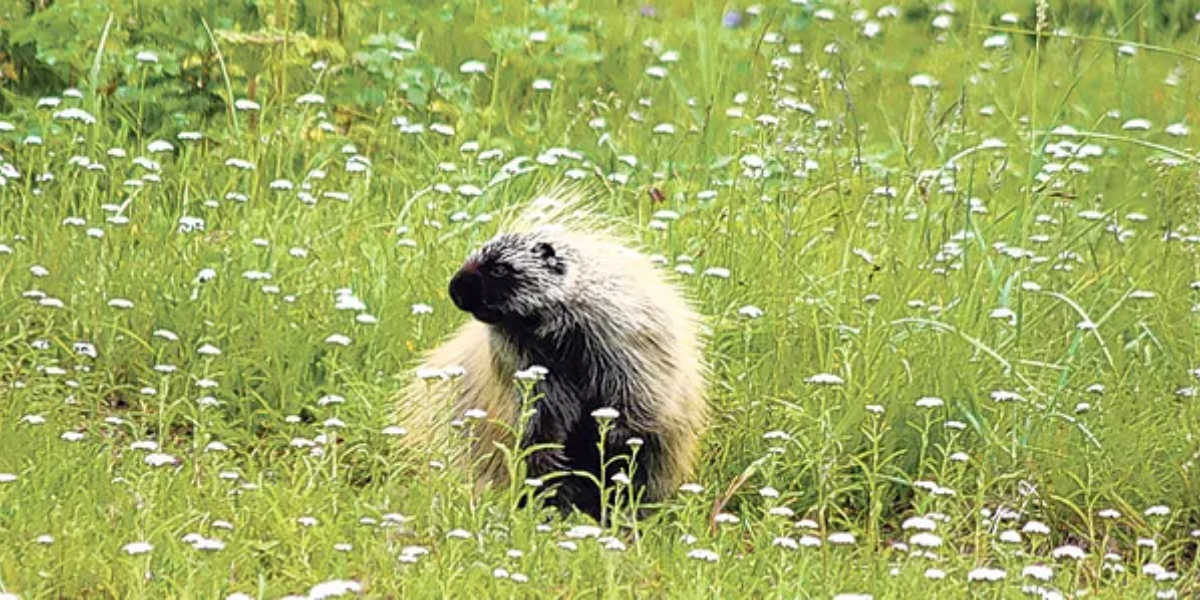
947 253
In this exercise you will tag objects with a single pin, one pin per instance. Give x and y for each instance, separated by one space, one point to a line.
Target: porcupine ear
546 252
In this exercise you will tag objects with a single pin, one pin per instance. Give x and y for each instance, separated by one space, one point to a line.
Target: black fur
579 382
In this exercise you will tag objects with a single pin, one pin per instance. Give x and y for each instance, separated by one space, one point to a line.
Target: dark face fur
510 278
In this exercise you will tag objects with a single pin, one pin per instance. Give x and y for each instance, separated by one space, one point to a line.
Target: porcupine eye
498 270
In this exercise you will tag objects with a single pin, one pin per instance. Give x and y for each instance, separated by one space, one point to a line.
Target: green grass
879 238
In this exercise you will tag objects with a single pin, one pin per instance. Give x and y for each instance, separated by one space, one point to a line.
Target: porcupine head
530 277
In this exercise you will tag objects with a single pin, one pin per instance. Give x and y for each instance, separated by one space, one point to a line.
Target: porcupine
562 290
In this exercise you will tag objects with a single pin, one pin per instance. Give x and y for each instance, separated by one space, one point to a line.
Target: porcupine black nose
466 288
467 291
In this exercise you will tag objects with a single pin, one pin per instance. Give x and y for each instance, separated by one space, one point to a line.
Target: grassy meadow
946 252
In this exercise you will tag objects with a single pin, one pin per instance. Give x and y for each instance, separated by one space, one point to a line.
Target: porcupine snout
466 287
468 294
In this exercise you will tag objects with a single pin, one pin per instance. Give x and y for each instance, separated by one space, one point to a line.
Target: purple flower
648 11
732 19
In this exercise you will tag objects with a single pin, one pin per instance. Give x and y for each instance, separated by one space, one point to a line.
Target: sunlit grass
951 279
